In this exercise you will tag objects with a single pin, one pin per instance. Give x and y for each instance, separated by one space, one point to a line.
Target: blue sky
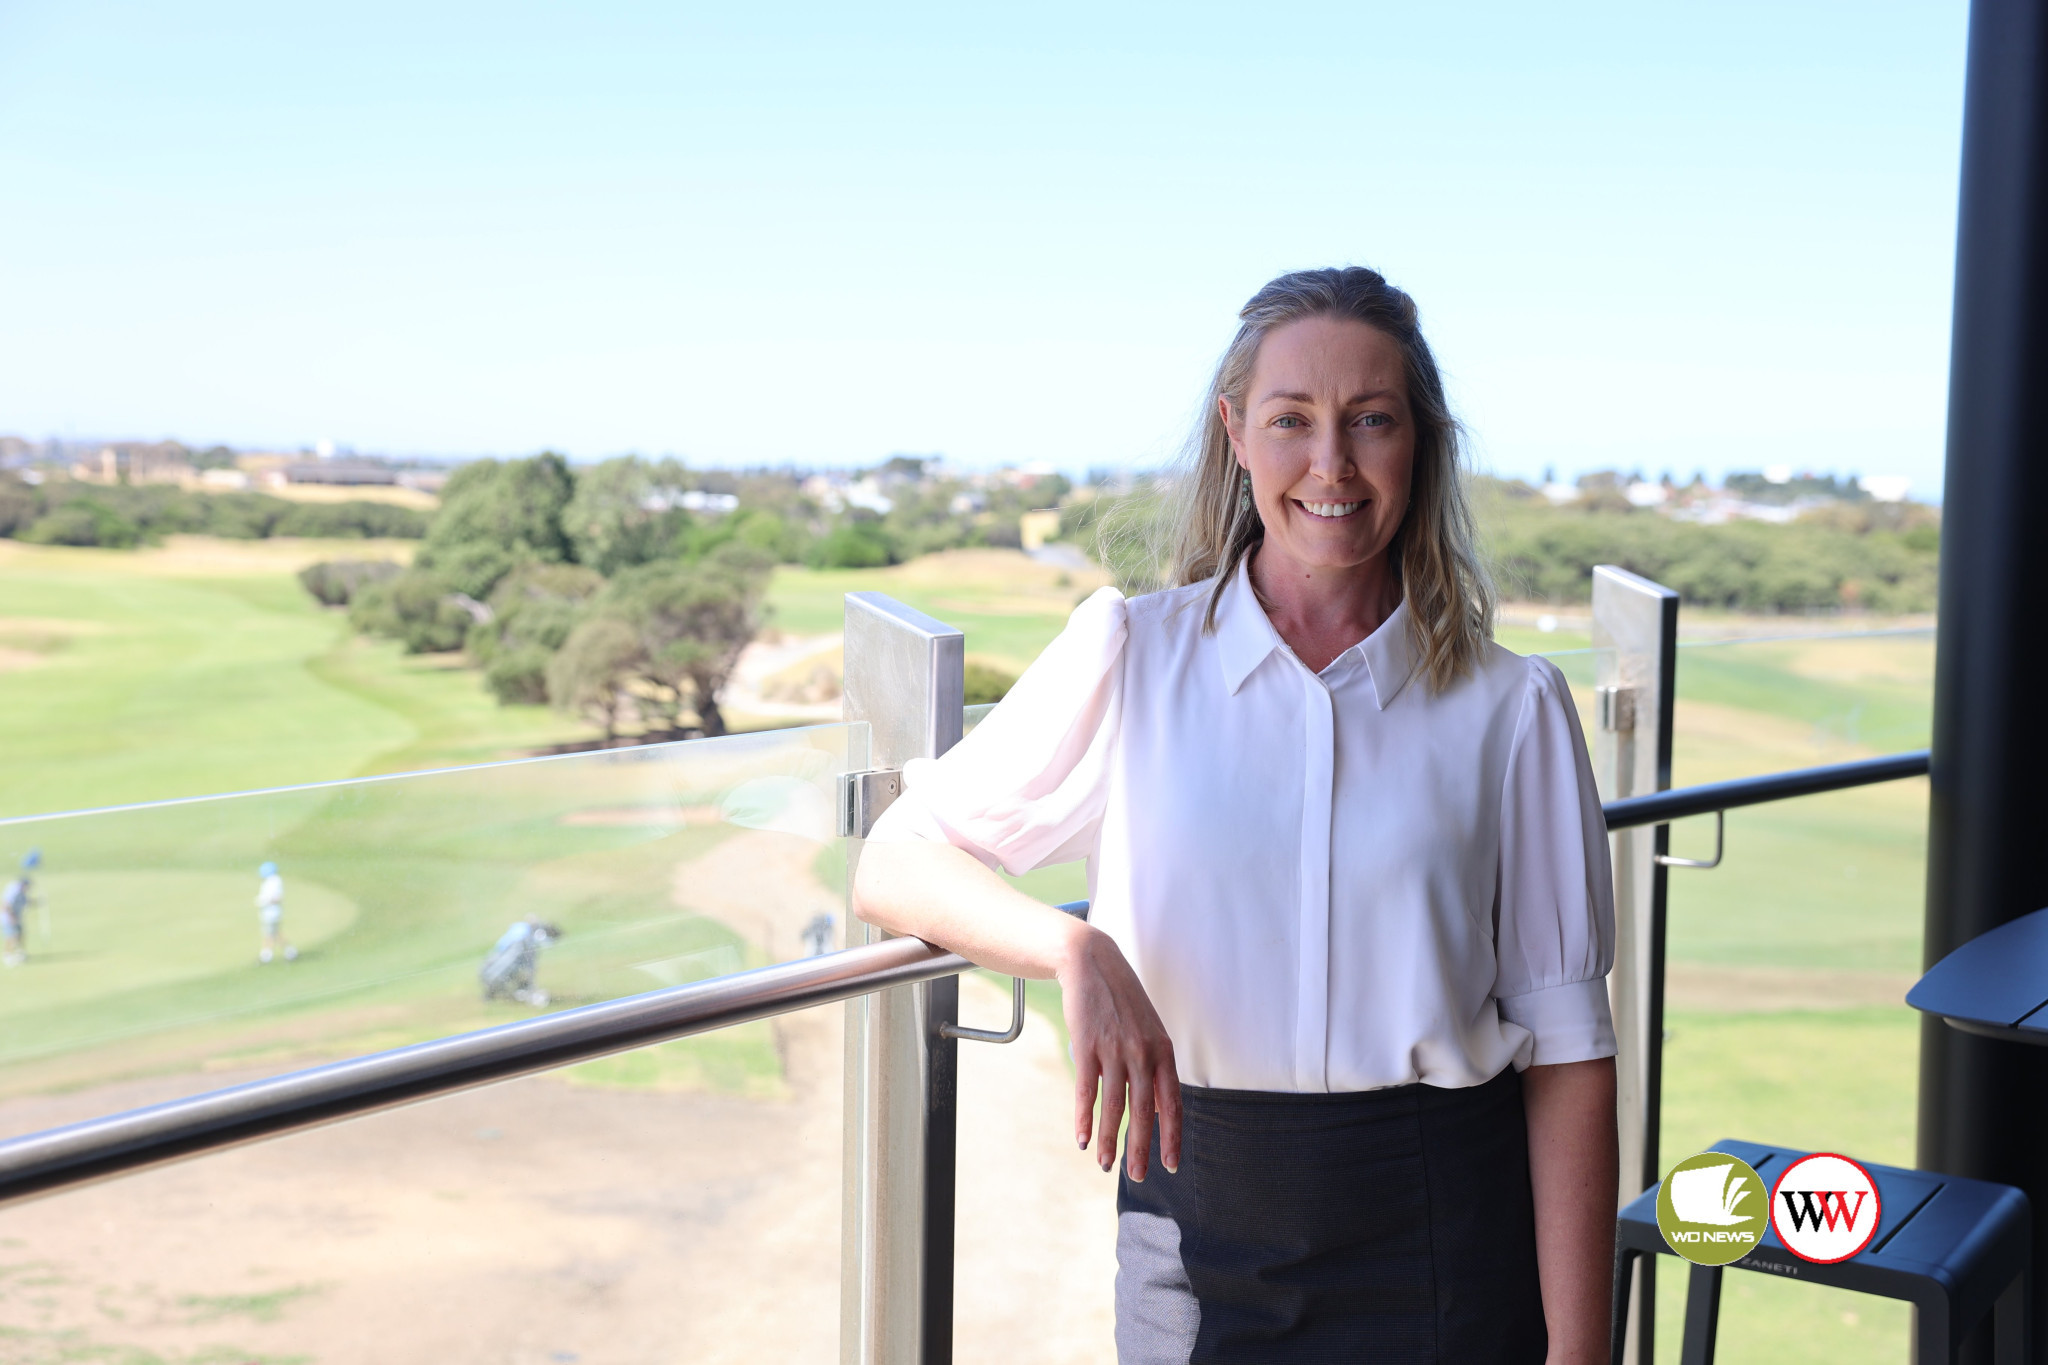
1657 236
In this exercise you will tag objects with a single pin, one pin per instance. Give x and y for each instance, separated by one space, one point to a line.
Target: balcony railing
903 697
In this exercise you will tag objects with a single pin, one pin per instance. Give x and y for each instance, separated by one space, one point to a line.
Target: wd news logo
1824 1208
1711 1208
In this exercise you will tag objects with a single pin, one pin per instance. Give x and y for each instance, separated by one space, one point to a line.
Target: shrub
19 507
350 521
155 510
416 607
83 521
1829 563
986 684
852 545
519 675
335 582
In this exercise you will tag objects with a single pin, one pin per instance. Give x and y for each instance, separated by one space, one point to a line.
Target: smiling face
1328 438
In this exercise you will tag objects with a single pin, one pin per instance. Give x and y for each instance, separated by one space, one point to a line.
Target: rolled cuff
909 820
1569 1023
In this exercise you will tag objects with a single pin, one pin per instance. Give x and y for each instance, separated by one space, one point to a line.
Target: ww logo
1825 1208
1813 1209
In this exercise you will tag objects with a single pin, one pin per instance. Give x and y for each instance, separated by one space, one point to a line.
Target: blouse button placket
1312 987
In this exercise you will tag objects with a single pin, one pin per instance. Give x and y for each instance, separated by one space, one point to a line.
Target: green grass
394 890
1838 1081
150 678
152 675
1008 608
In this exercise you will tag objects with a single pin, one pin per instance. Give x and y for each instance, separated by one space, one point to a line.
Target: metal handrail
120 1144
1660 808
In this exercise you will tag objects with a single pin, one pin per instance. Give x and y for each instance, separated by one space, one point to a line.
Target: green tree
533 610
625 512
418 607
19 505
852 545
591 673
496 515
691 622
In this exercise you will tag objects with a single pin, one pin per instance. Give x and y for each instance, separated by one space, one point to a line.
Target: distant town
1775 539
1773 493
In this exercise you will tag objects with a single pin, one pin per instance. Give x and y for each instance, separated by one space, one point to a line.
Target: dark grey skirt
1385 1225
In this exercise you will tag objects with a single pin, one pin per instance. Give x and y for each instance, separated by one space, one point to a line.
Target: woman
1351 914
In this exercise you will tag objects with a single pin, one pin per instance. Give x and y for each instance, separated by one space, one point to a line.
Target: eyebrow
1310 398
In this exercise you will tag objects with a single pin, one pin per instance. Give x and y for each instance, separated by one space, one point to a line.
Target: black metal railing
1660 808
118 1144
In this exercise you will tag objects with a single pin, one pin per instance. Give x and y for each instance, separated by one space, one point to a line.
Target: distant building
344 473
138 462
1643 493
713 504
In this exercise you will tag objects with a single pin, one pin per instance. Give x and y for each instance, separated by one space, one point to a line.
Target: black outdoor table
1995 985
1954 1248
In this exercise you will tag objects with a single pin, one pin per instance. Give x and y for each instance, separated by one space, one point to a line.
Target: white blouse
1326 881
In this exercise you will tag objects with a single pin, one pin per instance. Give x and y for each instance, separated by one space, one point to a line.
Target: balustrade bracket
863 796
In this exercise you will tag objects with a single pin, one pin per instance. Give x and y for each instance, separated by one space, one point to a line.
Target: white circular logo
1824 1208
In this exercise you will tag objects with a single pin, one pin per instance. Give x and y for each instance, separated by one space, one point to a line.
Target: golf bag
508 970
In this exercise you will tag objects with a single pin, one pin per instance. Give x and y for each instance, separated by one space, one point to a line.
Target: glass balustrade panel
676 1203
186 941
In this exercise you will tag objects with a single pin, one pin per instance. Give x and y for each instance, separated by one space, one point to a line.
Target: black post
1983 1103
941 1165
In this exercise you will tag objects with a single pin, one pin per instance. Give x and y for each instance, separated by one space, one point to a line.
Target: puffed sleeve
1555 936
1028 787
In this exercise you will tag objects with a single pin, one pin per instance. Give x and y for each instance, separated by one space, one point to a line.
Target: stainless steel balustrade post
905 676
1635 638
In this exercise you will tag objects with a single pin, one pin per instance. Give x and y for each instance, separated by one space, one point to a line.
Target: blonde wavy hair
1449 597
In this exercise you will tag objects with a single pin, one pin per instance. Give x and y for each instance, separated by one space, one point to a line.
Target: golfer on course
1351 916
270 915
15 899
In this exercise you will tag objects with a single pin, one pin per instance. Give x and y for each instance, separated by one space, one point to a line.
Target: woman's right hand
946 896
1121 1049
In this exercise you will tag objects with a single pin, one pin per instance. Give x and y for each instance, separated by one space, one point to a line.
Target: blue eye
1287 421
1374 419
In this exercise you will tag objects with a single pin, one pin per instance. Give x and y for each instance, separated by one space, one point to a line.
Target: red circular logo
1824 1208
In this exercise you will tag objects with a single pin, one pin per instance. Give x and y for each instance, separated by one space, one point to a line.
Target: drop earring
1244 494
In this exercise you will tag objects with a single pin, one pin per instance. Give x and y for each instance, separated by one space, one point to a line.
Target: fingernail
1172 1167
1084 1144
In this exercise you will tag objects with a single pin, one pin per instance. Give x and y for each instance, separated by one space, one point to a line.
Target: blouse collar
1245 636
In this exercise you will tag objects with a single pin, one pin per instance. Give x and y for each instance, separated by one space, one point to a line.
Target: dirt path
535 1222
1768 990
1037 1220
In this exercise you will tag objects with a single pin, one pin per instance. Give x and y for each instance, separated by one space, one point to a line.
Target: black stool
1954 1248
